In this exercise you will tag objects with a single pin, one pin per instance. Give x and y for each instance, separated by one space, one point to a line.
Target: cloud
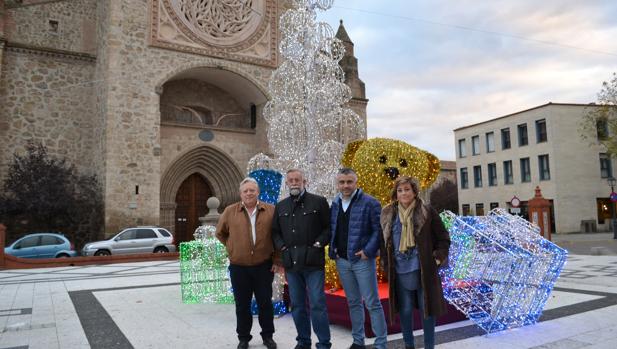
450 64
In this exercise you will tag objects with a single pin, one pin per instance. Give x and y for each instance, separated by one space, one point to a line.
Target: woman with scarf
416 244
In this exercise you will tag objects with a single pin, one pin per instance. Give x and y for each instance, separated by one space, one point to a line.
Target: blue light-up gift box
501 271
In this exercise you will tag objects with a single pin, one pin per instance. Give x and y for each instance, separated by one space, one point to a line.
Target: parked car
42 245
133 240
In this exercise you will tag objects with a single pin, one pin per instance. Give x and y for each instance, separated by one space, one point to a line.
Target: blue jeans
359 280
407 299
309 283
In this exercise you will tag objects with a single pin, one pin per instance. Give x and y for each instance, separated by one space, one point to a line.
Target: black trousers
245 282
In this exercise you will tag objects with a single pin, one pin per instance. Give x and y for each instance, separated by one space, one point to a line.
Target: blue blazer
364 226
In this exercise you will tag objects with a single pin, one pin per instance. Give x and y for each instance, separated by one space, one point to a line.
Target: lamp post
612 181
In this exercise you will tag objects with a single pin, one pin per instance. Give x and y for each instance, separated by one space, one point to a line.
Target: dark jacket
432 242
234 231
364 231
297 226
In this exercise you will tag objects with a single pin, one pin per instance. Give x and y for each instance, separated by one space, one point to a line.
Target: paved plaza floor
138 305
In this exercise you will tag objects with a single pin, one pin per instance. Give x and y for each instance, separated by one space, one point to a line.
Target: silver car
133 240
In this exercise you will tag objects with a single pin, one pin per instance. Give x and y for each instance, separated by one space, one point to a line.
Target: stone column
212 217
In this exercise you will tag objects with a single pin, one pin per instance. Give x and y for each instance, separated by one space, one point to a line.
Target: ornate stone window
243 30
221 22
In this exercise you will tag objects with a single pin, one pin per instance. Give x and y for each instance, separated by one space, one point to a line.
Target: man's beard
294 191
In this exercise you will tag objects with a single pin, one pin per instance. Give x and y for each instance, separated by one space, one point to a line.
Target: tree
444 196
43 193
599 124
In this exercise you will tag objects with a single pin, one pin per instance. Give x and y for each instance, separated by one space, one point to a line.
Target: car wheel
102 253
62 255
161 249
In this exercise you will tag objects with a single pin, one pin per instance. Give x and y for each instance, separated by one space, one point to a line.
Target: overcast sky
431 66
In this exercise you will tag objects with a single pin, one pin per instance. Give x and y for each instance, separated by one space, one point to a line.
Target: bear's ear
350 152
432 170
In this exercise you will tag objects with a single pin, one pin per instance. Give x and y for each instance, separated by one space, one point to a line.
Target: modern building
510 156
160 100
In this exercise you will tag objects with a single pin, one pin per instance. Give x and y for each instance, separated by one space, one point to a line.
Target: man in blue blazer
356 233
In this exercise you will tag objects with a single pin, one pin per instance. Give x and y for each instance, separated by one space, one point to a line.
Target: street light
611 182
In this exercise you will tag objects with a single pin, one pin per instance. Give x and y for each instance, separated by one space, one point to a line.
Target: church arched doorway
190 205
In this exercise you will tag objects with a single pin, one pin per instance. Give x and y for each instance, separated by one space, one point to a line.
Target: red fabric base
338 312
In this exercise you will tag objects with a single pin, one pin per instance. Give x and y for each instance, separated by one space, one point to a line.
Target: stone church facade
161 99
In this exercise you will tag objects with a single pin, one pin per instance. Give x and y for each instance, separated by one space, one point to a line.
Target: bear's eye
402 162
383 159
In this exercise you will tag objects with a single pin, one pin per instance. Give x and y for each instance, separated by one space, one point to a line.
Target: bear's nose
392 172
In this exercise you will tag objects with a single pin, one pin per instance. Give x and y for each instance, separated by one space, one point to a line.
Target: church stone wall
133 142
47 99
63 25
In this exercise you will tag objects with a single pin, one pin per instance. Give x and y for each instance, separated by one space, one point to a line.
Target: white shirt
252 218
345 202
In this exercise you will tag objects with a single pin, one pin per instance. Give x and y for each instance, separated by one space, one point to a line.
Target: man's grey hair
295 170
347 171
249 180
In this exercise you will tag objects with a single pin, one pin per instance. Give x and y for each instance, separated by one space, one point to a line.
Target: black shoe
269 343
243 345
357 346
301 347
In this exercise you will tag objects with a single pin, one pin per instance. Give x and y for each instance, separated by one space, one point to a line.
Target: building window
545 170
602 128
53 26
466 209
490 142
479 209
606 168
494 205
492 175
508 176
475 145
464 178
505 138
477 176
462 148
541 131
522 135
525 170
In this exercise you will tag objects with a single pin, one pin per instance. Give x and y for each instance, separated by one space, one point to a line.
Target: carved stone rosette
240 30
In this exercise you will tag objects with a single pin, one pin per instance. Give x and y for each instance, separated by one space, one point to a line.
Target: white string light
306 116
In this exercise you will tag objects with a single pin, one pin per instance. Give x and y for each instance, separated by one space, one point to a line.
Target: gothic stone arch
213 164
